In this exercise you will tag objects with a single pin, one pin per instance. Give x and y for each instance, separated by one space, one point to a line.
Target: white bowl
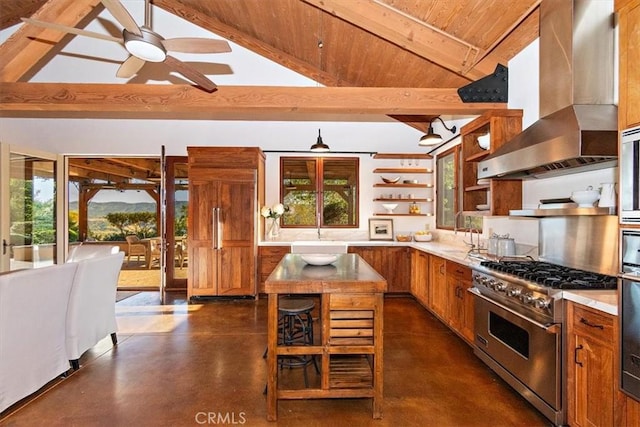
390 180
389 207
585 198
422 237
319 259
484 141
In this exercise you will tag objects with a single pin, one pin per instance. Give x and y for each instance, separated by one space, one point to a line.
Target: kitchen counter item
608 195
404 237
506 247
319 259
422 237
585 198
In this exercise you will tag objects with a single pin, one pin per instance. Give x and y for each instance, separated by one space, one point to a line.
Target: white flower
265 212
277 209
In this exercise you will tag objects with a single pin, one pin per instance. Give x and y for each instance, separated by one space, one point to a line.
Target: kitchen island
351 328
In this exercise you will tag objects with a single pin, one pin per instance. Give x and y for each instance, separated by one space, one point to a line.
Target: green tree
120 220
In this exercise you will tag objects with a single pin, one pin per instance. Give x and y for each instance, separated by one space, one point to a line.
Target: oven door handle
552 328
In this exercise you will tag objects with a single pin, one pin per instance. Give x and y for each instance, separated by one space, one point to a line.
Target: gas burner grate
552 275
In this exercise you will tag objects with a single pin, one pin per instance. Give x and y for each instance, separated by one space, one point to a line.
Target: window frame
456 151
319 180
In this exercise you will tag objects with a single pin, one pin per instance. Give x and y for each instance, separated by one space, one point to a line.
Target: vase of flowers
274 213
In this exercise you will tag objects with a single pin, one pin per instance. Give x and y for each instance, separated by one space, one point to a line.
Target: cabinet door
203 259
629 29
438 286
420 276
237 262
398 268
593 364
222 216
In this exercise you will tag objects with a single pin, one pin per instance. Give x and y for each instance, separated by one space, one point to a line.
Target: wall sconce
432 138
319 146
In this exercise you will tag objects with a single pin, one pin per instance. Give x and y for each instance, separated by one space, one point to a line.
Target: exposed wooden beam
229 102
251 43
99 165
151 168
411 34
24 50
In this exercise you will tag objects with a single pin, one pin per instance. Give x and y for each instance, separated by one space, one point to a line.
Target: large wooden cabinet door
438 286
221 232
420 276
391 262
593 395
629 79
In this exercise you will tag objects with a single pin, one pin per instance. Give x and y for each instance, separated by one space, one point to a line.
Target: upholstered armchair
33 311
83 251
91 311
135 248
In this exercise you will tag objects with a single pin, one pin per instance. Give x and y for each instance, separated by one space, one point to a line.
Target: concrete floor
201 364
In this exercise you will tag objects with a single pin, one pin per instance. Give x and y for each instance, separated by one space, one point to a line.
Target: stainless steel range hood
578 129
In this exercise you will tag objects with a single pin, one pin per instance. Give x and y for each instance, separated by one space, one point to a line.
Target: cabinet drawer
593 324
458 271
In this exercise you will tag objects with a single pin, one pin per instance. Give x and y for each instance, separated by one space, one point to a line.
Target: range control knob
542 303
513 292
501 286
527 298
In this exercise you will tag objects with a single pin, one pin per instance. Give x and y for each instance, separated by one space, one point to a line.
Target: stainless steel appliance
630 313
630 176
519 317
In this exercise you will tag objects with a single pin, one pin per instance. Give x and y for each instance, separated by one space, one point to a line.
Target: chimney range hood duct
578 128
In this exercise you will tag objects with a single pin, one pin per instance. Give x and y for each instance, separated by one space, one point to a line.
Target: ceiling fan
145 45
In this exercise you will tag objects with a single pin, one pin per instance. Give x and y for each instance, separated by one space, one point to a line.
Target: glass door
177 196
30 208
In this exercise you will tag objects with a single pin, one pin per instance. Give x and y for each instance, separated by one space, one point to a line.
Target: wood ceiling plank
247 41
12 10
24 50
246 102
409 33
106 167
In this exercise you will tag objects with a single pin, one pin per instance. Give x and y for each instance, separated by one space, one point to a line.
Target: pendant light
432 138
319 146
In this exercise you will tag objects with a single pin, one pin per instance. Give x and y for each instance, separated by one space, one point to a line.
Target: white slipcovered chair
91 311
83 251
33 311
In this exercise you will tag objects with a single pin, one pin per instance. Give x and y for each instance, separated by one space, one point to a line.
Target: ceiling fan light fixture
432 138
319 146
147 47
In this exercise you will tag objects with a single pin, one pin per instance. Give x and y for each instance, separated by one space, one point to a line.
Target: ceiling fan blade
72 30
130 67
122 16
192 74
196 45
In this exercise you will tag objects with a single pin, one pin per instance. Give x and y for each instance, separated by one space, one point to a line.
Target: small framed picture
380 229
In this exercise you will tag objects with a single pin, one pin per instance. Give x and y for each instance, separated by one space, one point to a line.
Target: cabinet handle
441 268
575 354
593 325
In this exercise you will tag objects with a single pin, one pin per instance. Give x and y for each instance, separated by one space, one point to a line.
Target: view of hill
100 210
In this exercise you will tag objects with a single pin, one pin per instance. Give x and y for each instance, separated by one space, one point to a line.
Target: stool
295 327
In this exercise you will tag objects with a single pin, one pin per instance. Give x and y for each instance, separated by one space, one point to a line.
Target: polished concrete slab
201 364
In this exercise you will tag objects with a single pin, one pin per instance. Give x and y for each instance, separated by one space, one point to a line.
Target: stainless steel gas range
519 317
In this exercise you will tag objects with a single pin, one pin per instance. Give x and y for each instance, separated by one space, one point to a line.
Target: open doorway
115 201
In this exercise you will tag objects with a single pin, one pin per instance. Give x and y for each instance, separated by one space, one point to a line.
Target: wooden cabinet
223 225
420 276
438 285
460 308
391 262
407 166
497 196
629 77
592 345
268 259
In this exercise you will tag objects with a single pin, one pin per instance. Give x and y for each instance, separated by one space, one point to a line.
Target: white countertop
603 300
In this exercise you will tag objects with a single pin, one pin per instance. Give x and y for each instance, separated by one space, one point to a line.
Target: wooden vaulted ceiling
404 59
